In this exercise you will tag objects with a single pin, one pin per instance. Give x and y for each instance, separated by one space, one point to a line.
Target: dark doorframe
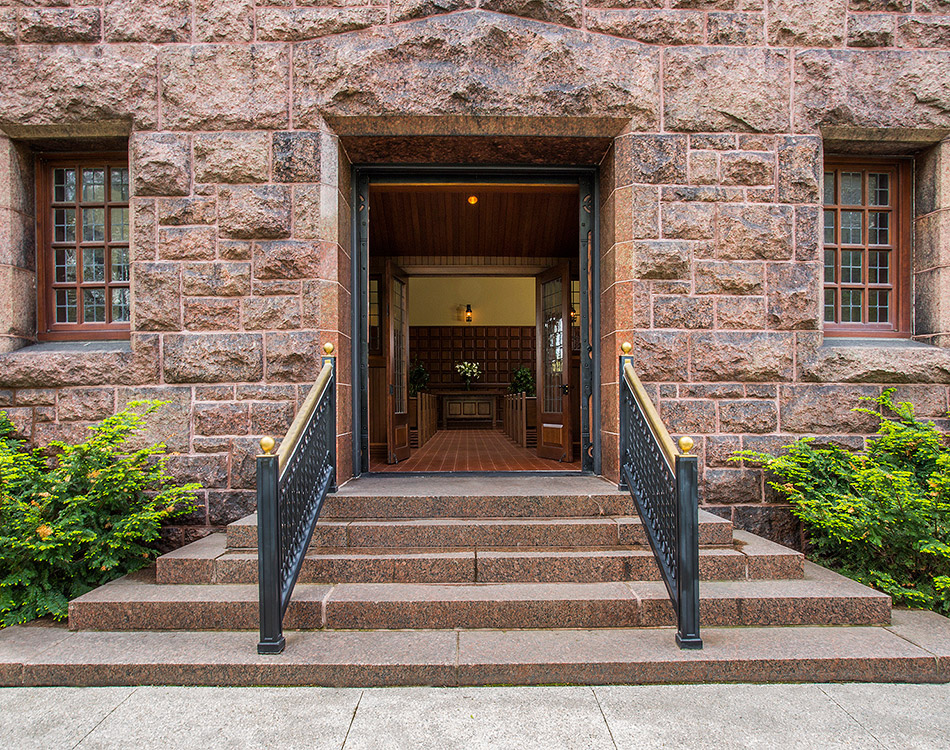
589 263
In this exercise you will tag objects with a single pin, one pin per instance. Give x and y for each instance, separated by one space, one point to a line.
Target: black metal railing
291 487
664 485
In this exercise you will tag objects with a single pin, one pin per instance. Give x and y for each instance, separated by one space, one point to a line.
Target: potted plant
522 381
418 378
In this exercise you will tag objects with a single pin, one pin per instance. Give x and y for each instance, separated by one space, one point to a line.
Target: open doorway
475 324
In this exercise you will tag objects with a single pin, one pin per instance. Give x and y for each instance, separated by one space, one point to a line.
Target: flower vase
468 384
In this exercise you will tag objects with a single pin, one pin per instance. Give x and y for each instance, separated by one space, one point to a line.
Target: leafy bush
418 378
522 381
881 517
84 516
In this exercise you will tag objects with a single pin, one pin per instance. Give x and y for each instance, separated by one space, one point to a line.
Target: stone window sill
846 342
883 361
74 347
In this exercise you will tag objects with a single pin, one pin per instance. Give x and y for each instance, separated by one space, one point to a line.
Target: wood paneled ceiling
528 221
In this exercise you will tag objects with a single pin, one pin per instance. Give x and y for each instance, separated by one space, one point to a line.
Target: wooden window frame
47 327
901 265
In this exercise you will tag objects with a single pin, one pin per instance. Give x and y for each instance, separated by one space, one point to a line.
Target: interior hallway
473 450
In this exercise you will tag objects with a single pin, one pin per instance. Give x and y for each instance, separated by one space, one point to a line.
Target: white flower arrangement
468 370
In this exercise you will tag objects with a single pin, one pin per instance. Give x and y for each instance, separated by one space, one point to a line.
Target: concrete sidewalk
548 718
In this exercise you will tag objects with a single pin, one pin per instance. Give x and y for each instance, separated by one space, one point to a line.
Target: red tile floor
474 450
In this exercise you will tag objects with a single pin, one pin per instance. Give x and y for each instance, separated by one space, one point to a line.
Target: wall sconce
468 313
573 316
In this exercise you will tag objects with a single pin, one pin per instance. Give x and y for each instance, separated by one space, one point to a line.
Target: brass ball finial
686 444
626 347
328 348
267 445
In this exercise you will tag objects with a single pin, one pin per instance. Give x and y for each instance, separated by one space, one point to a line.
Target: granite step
914 648
476 497
482 532
209 561
136 602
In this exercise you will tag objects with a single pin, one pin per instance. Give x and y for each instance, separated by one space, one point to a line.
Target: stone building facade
709 122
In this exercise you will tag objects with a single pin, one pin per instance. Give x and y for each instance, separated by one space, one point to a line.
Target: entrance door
554 347
397 364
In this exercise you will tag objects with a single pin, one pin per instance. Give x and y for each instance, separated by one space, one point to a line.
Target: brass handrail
290 441
653 417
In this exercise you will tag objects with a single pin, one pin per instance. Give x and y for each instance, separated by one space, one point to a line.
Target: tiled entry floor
473 450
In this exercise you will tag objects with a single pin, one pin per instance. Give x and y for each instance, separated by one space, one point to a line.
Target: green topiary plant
522 381
74 521
881 517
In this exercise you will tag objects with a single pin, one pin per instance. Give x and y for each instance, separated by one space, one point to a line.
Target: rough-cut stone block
680 311
795 300
636 212
808 232
740 313
231 157
294 356
160 164
216 279
660 355
213 357
299 24
183 211
144 243
212 314
221 419
799 169
742 356
708 89
316 210
748 168
871 89
753 232
186 243
871 30
731 486
406 10
157 21
688 416
703 168
224 20
738 29
218 87
923 31
650 158
563 12
235 250
816 24
688 221
747 416
719 449
8 25
260 313
208 470
297 156
271 417
68 85
171 424
660 259
728 277
825 409
59 25
254 212
226 507
156 296
650 26
503 63
291 259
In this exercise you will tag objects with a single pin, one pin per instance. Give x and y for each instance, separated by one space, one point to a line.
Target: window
866 248
83 247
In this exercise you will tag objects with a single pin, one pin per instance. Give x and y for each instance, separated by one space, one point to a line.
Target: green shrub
881 517
522 381
84 516
418 378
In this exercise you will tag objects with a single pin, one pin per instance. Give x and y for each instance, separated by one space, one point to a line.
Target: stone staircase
532 553
474 581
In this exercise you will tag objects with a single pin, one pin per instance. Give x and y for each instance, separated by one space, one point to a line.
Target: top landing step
449 485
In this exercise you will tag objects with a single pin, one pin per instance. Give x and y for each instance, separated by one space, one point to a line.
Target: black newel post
687 543
268 546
